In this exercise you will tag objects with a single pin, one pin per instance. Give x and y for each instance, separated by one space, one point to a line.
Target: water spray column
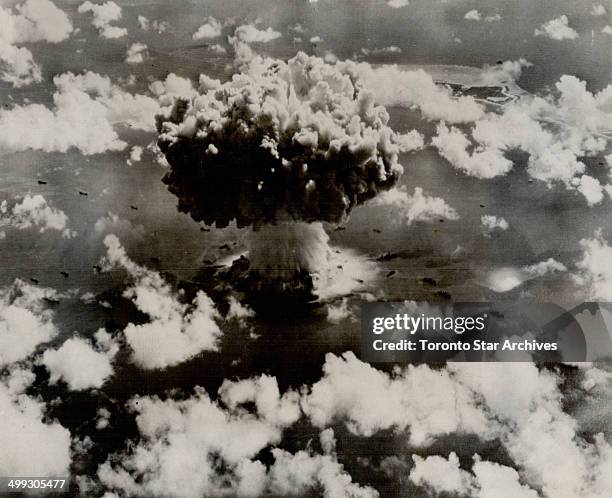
287 249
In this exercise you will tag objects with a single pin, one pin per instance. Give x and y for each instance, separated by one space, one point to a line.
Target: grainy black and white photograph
204 202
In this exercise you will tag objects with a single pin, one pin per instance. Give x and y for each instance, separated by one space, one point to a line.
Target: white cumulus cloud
399 401
556 130
103 15
542 268
490 223
87 110
152 25
397 4
475 15
30 446
25 322
33 211
595 268
249 33
394 86
78 364
29 22
557 29
210 29
176 331
417 206
136 53
180 438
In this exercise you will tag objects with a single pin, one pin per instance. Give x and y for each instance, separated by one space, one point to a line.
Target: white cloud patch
34 21
30 447
417 206
297 28
173 86
154 25
215 442
410 141
103 416
595 268
475 15
179 439
217 49
249 33
539 436
29 22
598 10
25 322
493 479
504 279
454 146
111 223
263 392
297 474
79 364
135 155
400 401
33 211
557 29
104 14
238 311
210 29
547 451
591 189
546 267
398 4
440 475
177 331
341 311
391 49
87 108
136 53
490 223
556 130
501 74
393 86
488 479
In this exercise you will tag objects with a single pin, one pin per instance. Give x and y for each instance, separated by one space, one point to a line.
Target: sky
440 151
